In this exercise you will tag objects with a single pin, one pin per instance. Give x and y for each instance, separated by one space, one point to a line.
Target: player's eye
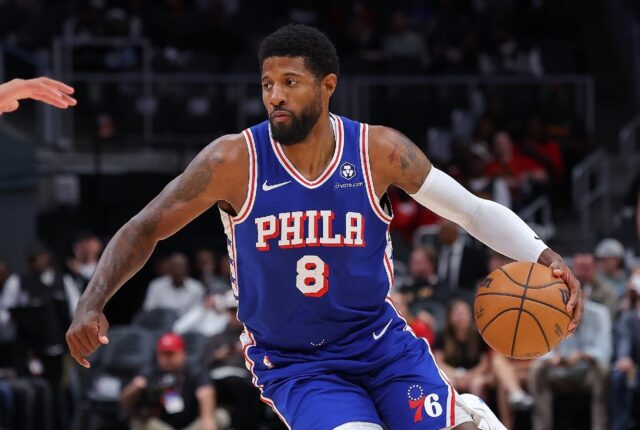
291 82
267 85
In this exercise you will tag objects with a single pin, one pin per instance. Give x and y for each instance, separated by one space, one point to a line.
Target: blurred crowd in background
174 357
373 38
184 338
439 36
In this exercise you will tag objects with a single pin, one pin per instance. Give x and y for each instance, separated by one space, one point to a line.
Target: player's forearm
125 254
491 223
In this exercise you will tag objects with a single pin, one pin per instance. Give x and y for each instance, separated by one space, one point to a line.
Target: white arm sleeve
491 223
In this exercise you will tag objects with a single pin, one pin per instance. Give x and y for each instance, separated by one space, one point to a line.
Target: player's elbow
143 228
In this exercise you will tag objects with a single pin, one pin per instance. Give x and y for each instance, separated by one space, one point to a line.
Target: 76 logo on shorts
420 402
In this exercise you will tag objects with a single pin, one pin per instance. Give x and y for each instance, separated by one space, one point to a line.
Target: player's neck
311 156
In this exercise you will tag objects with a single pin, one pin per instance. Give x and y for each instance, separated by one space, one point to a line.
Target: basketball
520 310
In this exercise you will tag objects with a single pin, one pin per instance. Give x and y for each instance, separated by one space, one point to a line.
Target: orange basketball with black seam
520 310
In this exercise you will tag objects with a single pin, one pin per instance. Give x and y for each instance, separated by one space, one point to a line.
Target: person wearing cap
170 395
625 375
610 255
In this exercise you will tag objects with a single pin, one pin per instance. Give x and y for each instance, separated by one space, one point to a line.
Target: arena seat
155 320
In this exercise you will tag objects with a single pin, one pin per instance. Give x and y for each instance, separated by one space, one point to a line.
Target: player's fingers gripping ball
520 310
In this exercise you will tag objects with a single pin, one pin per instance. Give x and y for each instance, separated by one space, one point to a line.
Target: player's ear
329 83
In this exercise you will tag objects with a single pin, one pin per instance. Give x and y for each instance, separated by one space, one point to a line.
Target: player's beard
300 125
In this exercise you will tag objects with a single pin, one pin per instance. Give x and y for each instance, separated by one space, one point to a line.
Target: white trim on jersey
248 341
331 168
229 231
244 212
388 267
388 261
229 222
366 168
451 397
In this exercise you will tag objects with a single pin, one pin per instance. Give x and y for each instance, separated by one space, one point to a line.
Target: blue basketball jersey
311 266
310 260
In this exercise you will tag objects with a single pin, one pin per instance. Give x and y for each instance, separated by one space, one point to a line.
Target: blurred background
532 103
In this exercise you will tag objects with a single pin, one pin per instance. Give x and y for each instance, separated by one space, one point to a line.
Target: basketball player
43 89
302 197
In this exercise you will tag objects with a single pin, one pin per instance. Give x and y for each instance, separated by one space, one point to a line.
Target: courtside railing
628 146
590 189
229 102
32 120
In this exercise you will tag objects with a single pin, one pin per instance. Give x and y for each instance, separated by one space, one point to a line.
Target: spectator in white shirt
579 363
207 271
86 253
47 299
175 291
43 276
9 292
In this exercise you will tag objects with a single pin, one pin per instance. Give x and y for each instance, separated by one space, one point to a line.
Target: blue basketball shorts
382 375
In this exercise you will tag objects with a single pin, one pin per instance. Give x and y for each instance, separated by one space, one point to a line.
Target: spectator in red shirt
423 325
524 176
408 215
544 150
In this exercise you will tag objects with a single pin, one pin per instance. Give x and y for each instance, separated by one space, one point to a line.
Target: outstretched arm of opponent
217 173
43 89
395 160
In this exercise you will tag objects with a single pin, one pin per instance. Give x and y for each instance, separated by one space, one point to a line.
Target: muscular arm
218 173
210 177
493 224
395 160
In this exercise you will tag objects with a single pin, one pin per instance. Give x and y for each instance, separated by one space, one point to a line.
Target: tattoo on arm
190 186
183 189
133 244
125 255
413 164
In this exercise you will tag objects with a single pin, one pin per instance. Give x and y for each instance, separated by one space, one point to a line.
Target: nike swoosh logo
384 330
536 238
266 187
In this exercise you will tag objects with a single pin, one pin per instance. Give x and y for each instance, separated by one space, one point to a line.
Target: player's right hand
87 332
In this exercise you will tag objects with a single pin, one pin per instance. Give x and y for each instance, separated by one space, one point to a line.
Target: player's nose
277 96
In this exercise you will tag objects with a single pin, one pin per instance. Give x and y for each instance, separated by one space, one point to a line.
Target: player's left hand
576 299
42 89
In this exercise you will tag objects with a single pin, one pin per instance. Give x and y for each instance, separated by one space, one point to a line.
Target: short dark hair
296 40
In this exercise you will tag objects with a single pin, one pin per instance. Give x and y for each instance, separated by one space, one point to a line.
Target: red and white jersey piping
338 128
